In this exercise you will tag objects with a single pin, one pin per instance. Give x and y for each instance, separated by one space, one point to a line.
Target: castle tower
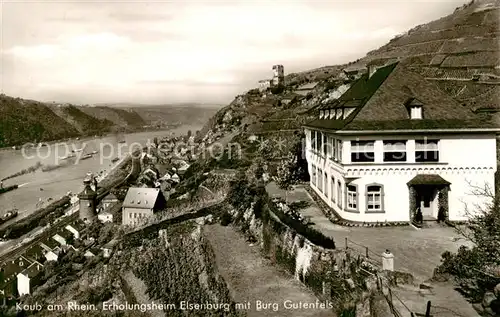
87 202
278 75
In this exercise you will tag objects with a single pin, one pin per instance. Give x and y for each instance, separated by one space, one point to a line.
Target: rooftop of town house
11 268
141 197
34 252
78 225
110 197
379 104
307 86
33 270
51 243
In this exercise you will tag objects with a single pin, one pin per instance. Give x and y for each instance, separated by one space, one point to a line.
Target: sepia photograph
249 158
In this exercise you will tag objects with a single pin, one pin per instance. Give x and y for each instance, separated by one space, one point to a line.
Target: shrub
226 219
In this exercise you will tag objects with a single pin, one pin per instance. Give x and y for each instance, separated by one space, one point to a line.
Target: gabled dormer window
416 112
347 112
415 108
338 113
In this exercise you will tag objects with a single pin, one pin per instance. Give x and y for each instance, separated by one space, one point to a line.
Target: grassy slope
24 121
126 119
84 123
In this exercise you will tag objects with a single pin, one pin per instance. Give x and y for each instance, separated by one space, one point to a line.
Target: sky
159 52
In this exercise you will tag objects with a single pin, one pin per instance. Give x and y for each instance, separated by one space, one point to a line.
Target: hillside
24 121
460 53
84 123
122 119
171 115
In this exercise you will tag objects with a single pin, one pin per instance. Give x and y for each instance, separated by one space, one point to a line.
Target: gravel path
252 278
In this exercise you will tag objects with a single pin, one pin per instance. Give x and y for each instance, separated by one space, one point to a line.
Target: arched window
339 194
332 190
374 198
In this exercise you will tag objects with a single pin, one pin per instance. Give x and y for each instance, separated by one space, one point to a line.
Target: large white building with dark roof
141 203
394 143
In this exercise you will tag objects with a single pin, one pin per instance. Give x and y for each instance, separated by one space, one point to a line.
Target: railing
374 258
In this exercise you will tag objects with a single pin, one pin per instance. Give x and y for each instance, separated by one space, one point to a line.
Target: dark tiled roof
428 179
380 104
355 97
34 253
419 124
33 270
326 124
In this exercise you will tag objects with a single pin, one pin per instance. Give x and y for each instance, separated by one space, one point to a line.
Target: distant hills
23 121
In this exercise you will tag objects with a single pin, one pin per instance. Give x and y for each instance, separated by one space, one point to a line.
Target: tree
477 269
285 177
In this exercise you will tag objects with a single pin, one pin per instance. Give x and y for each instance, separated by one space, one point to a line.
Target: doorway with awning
429 194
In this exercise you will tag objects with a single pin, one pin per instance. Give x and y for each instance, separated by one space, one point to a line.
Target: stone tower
87 201
278 75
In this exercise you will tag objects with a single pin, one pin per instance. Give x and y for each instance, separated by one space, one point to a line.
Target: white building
393 143
105 217
28 278
141 203
264 84
51 256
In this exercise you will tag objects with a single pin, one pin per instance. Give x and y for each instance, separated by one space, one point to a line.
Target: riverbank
87 138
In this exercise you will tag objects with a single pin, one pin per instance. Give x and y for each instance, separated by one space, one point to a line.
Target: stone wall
345 280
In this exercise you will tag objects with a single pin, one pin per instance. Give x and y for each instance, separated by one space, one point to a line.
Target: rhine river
53 184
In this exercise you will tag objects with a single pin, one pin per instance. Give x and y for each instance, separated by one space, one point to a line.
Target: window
325 145
320 180
325 180
426 151
321 114
416 112
339 194
362 151
338 113
332 190
374 198
395 151
319 136
352 197
347 112
314 176
332 113
339 150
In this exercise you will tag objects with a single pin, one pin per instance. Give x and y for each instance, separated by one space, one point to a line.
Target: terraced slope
460 52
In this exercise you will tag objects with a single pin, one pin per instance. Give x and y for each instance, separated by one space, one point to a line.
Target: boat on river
86 156
7 189
8 215
68 156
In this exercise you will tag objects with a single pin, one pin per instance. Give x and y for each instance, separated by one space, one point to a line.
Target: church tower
87 201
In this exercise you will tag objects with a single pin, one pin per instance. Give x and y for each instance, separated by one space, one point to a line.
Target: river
56 183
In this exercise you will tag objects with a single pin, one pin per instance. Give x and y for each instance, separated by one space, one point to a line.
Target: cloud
159 51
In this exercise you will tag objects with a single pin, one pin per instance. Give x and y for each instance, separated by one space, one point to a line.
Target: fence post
367 255
346 243
428 310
